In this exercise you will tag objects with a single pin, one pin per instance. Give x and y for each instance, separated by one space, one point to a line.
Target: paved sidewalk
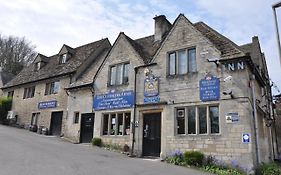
26 153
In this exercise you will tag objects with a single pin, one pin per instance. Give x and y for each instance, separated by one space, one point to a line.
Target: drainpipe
255 120
135 105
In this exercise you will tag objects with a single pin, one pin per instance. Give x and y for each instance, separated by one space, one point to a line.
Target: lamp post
274 6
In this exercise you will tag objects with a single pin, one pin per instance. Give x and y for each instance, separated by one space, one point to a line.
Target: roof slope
53 68
146 47
228 48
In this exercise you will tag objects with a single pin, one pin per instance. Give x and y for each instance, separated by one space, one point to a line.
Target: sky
49 24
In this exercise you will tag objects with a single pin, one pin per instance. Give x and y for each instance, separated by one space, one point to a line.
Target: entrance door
87 127
152 134
56 123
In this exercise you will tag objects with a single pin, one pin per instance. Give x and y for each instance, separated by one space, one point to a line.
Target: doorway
152 134
56 123
87 127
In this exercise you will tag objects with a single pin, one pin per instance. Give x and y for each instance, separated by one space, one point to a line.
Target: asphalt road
26 153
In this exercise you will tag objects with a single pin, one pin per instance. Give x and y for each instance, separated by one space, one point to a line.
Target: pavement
26 153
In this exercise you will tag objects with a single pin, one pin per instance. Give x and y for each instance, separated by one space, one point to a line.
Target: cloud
49 24
240 20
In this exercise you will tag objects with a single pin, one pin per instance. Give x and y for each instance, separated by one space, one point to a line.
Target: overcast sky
49 24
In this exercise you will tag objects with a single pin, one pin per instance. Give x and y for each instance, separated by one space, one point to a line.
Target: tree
15 53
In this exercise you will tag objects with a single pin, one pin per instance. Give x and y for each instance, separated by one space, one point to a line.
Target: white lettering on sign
234 66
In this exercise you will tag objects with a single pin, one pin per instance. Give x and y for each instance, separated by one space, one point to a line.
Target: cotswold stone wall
25 107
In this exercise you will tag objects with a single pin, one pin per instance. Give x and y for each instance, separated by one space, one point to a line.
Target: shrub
221 170
176 158
5 106
96 141
194 158
268 169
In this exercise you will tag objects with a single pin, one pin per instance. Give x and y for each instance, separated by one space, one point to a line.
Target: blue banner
114 100
47 104
209 88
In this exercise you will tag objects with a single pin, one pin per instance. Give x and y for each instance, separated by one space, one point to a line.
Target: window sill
181 75
117 85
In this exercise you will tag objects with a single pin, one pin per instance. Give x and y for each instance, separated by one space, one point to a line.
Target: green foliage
194 158
176 158
5 106
97 141
220 170
268 169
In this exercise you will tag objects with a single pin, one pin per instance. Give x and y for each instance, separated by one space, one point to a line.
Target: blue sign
114 100
148 100
47 104
151 90
209 88
245 138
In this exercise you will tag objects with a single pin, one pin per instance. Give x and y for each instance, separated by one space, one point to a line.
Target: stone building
186 87
39 96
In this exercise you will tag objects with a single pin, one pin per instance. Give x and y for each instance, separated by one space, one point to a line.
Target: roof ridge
220 35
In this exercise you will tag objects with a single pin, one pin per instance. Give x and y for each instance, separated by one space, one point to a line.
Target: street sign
245 138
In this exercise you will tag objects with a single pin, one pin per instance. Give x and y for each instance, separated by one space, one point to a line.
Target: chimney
161 26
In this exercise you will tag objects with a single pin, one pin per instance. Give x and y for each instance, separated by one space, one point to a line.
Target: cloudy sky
49 24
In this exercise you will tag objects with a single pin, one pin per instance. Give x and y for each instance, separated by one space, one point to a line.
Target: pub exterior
186 87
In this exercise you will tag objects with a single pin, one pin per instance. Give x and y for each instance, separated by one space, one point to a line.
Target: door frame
50 127
143 113
81 115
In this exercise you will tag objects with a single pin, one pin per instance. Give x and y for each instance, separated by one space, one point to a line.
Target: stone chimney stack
161 26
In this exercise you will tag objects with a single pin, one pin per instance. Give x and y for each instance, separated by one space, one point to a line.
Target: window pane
32 91
182 62
126 73
172 63
191 121
120 124
127 123
56 87
113 124
119 74
105 124
113 75
192 60
76 117
180 121
214 118
202 120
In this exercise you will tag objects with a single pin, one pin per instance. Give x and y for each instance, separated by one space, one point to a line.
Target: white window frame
115 80
177 62
208 119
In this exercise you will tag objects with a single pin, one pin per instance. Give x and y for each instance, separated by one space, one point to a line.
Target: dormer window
37 66
63 58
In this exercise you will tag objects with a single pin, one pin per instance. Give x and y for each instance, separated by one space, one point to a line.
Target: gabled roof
66 49
146 47
54 69
227 48
41 58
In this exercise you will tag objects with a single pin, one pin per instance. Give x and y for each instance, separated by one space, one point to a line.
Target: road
26 153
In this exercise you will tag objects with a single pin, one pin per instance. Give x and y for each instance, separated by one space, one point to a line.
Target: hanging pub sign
209 88
151 90
114 100
47 104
